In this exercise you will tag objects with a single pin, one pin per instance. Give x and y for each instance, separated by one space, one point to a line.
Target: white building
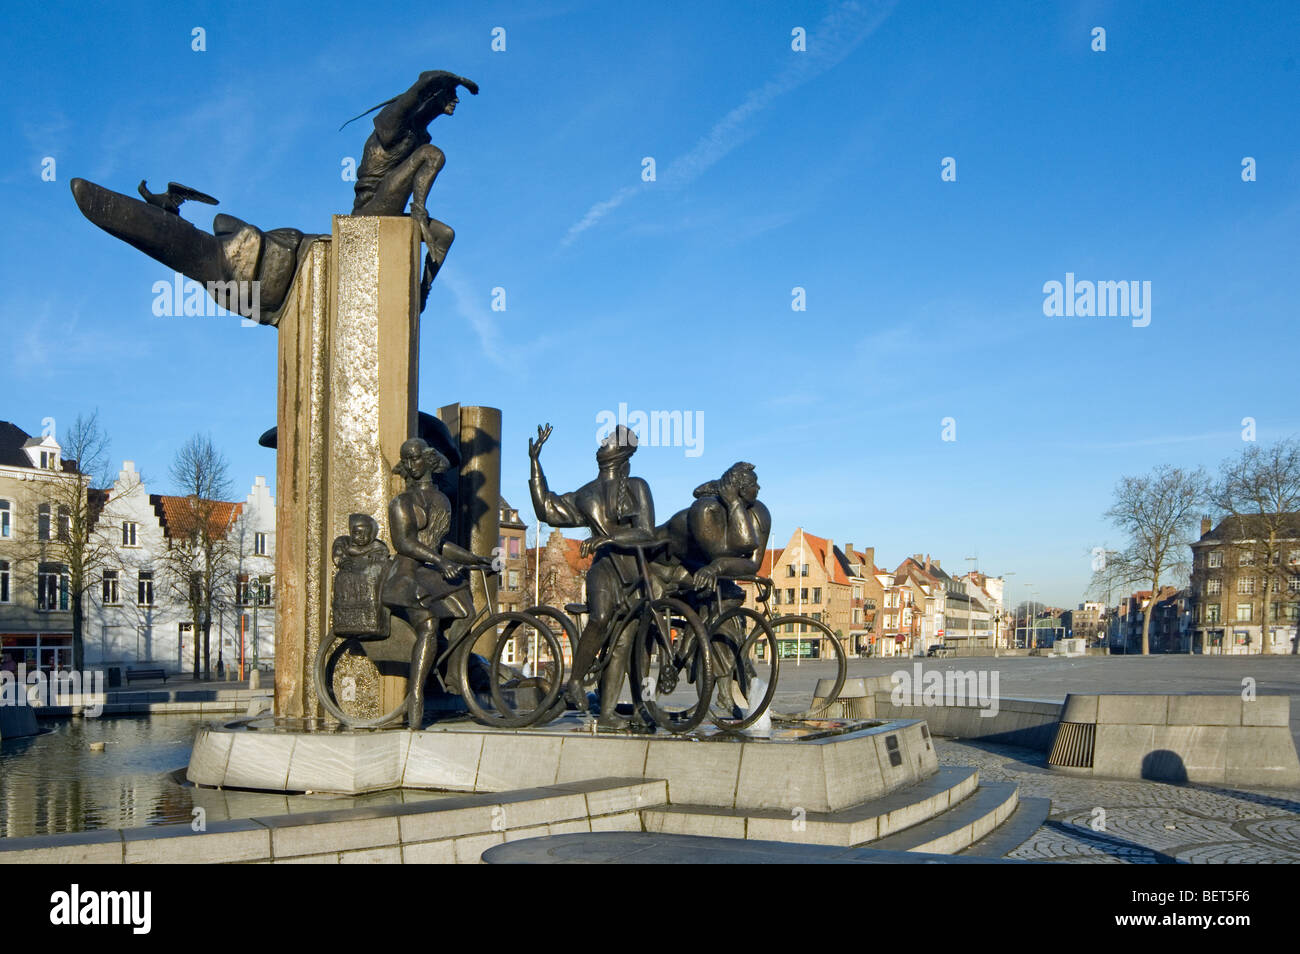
138 617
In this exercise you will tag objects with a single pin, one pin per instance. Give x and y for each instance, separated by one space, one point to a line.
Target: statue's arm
395 118
741 533
458 554
559 510
711 527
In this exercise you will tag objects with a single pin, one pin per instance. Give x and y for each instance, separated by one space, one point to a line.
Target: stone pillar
349 372
478 505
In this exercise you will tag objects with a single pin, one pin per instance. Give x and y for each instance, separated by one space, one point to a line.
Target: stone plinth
1209 738
822 767
348 371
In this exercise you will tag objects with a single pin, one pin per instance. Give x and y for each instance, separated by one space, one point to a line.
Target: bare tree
75 521
1259 494
200 556
1157 512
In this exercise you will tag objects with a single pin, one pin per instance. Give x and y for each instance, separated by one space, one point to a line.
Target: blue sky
775 169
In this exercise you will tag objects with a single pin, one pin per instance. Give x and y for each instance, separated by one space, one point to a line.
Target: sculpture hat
618 446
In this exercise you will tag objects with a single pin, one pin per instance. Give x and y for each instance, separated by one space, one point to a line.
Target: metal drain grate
1074 745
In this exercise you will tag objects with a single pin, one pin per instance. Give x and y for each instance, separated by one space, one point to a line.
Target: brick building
1241 595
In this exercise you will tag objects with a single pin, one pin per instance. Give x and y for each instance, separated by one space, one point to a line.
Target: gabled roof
572 556
178 514
516 524
12 439
1251 527
579 565
840 564
770 559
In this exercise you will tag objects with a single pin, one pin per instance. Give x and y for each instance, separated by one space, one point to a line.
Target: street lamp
1031 592
970 601
997 634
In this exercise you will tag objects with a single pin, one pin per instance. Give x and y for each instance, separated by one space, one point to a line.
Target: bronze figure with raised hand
618 510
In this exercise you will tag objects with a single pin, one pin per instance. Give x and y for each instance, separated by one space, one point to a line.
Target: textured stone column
477 525
349 371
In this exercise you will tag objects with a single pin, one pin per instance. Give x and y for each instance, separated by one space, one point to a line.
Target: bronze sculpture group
664 614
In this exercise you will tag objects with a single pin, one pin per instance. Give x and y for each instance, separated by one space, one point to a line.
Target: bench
134 674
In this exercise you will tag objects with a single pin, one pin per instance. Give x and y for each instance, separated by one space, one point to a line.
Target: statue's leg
409 179
601 605
612 680
427 162
438 237
422 656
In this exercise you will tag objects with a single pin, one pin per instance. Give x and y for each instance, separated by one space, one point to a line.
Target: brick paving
1102 821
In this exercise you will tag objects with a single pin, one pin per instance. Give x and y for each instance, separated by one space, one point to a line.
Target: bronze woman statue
427 585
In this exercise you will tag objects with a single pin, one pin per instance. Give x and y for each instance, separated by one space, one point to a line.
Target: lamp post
998 634
970 599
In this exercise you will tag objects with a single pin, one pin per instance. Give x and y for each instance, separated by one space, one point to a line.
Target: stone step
1028 817
961 826
645 848
862 823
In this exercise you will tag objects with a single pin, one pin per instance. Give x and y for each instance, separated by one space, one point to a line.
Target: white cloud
838 34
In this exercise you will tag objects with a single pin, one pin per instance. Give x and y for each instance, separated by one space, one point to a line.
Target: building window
776 597
1216 558
857 616
6 527
108 588
817 594
1243 612
789 569
1292 556
129 530
514 548
259 544
49 460
512 581
1246 559
65 524
264 594
789 594
4 581
144 591
1212 613
51 587
43 522
803 594
1246 586
1293 585
803 569
1213 587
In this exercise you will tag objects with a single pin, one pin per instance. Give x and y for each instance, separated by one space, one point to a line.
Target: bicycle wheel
745 664
563 624
327 658
670 669
831 643
513 698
